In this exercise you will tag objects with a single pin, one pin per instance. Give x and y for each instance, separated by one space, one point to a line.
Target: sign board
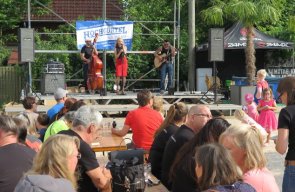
108 32
281 71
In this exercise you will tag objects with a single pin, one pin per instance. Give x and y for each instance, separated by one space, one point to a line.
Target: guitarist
165 53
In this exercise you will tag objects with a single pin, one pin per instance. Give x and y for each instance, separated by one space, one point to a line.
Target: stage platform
194 97
109 104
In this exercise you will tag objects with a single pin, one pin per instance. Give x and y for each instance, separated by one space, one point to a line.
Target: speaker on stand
216 52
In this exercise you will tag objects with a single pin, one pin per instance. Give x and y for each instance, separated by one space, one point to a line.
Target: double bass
95 77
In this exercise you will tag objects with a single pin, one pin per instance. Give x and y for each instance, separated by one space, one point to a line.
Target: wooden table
108 142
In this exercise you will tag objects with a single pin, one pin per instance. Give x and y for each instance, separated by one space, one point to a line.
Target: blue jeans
166 68
289 179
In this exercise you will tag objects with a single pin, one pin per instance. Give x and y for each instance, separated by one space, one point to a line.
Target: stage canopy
235 38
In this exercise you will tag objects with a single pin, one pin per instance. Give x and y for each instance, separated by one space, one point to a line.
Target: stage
112 103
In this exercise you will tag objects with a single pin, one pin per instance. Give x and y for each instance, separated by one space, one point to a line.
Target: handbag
127 169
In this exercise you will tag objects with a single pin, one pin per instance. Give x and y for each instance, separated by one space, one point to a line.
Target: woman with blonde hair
245 145
217 171
54 166
120 53
176 116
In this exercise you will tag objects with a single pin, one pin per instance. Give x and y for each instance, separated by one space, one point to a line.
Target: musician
120 52
167 65
86 54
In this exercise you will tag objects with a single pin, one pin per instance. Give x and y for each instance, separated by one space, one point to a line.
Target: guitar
158 61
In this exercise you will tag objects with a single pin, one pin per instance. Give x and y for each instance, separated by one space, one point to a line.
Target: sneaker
162 92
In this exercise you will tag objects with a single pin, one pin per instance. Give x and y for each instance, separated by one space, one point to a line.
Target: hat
60 93
88 39
249 97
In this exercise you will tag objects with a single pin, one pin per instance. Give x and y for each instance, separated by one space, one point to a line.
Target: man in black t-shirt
197 117
86 123
15 158
86 55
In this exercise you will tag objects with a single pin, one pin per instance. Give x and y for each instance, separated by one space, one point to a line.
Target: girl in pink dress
251 107
267 117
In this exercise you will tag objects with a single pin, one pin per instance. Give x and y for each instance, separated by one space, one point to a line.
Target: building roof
71 10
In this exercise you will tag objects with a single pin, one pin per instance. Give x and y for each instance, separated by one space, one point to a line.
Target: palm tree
250 13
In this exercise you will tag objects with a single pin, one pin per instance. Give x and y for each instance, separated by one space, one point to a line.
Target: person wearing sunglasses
285 141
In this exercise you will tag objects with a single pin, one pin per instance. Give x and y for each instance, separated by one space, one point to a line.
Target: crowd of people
188 148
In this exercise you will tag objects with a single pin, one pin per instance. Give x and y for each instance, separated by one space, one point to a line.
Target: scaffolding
175 34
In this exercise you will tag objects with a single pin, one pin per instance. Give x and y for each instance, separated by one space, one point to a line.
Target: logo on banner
109 32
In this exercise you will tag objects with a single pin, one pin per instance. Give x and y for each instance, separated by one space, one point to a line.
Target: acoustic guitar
158 61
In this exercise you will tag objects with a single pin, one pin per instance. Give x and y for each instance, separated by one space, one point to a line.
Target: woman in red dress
121 64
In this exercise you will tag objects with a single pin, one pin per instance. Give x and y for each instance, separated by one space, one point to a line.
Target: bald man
197 117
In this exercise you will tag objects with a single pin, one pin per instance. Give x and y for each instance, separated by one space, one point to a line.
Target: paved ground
275 161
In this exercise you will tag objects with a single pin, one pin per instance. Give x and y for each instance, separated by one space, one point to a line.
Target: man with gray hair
86 124
198 116
15 158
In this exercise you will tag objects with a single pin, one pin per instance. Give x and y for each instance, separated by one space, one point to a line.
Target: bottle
114 123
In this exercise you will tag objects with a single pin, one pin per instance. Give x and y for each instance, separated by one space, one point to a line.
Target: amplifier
51 81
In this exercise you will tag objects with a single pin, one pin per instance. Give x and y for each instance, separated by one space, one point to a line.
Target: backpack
127 169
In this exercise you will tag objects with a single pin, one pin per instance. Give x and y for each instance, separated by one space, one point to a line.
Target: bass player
163 56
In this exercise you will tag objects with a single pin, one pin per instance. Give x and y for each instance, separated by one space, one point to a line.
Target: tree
250 13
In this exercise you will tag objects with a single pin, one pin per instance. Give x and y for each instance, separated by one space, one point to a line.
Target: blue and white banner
108 32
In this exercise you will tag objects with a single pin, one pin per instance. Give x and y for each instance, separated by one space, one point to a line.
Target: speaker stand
214 82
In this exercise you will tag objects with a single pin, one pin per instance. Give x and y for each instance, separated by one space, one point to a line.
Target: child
267 117
42 123
251 107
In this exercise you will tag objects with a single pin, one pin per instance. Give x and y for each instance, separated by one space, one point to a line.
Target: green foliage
4 54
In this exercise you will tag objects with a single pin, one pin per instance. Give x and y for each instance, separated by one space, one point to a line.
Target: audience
54 167
176 116
244 118
30 112
217 171
60 97
67 106
32 136
65 122
158 105
86 125
245 145
183 169
286 130
42 124
143 122
197 117
15 159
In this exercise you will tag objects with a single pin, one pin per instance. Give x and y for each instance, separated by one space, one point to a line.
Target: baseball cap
60 93
88 39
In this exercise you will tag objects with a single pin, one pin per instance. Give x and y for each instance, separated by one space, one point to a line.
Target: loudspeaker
51 81
216 44
26 45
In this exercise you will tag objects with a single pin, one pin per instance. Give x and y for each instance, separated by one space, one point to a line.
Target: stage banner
108 32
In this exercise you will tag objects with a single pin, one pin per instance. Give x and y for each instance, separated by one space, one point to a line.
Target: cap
249 97
60 93
88 39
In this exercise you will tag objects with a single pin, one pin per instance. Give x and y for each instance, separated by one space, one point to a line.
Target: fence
11 84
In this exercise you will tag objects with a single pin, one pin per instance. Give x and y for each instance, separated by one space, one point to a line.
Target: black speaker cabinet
51 81
26 45
216 44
